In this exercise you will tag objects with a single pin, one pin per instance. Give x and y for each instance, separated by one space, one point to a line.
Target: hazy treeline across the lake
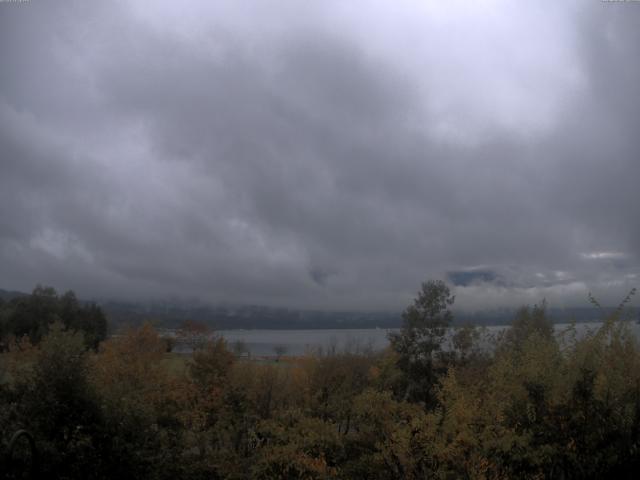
538 404
172 314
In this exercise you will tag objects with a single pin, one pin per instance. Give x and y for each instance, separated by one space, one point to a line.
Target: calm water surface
298 342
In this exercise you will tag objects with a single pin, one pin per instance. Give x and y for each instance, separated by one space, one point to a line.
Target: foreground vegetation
532 406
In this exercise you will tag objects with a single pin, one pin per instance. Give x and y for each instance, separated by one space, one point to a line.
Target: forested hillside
534 406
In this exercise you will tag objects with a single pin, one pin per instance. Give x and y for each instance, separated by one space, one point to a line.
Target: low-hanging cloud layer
321 154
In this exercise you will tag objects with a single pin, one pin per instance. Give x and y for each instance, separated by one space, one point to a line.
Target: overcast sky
322 154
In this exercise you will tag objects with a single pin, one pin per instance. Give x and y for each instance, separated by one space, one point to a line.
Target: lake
299 342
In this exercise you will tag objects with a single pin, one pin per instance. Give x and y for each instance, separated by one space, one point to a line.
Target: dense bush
536 405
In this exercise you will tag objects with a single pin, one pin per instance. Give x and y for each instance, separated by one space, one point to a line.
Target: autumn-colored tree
210 366
295 446
390 439
535 404
334 380
193 335
142 404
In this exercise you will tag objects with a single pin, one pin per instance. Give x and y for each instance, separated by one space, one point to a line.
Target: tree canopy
531 403
33 315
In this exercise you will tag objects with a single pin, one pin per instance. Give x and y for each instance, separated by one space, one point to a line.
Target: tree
420 340
193 335
88 319
58 406
32 315
528 322
210 365
240 348
279 350
141 404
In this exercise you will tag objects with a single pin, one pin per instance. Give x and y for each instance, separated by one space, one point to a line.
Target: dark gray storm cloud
321 154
